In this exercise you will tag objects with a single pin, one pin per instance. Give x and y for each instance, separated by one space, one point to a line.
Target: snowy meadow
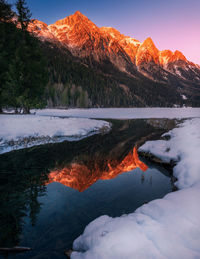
123 113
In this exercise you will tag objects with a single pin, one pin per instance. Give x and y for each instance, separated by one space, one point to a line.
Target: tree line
23 74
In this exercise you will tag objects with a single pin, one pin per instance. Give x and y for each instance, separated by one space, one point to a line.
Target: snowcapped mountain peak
148 42
86 40
111 32
78 13
147 52
78 16
167 56
179 55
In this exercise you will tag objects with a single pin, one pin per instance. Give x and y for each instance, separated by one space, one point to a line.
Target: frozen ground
164 228
124 113
21 131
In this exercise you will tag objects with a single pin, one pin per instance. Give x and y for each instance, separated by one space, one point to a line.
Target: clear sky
172 24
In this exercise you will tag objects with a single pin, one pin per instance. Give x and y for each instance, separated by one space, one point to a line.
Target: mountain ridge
79 17
105 49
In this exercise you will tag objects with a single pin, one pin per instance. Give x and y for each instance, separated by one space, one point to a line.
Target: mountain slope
126 61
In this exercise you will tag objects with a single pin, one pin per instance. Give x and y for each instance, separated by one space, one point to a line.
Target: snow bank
20 131
184 148
124 113
163 228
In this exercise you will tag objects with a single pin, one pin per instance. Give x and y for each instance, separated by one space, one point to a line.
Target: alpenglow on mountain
129 62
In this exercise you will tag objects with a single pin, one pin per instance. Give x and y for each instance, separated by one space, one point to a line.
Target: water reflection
24 174
19 195
81 176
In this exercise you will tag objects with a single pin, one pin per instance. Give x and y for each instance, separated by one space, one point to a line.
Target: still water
49 193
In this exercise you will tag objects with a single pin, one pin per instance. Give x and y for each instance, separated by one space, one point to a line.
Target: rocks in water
68 253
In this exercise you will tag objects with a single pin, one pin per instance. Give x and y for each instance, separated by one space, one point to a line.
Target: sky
172 24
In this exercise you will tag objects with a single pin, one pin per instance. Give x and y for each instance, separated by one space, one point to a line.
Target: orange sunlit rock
85 39
80 176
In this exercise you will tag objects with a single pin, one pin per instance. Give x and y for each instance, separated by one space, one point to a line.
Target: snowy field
21 131
124 113
164 228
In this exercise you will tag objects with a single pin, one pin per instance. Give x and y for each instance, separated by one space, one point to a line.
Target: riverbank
164 228
24 131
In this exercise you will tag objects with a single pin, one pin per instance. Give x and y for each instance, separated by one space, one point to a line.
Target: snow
184 97
55 29
20 131
183 148
63 26
124 113
177 71
167 228
164 59
112 35
132 41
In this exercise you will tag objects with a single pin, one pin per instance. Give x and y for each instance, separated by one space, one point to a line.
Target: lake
49 193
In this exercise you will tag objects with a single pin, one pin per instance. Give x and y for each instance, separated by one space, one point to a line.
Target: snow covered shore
123 113
21 131
164 228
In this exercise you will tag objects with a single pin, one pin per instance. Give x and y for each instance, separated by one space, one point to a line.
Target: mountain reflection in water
81 176
31 212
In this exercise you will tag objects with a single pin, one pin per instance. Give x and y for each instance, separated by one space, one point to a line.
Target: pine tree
24 14
6 13
13 82
26 78
23 74
6 28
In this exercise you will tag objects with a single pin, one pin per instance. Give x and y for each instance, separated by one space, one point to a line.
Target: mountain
125 60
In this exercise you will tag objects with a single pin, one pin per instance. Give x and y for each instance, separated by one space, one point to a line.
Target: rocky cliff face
89 42
139 72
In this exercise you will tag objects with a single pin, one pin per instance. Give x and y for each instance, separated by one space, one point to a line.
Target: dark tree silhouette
24 14
6 13
22 65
